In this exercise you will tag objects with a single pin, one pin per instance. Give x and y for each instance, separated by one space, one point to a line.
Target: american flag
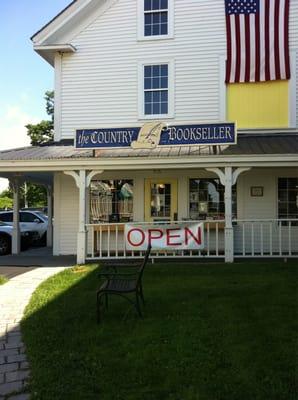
257 40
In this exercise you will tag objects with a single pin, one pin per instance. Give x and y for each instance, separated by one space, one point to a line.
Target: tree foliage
43 132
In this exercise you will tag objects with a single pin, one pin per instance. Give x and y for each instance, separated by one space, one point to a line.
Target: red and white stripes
257 43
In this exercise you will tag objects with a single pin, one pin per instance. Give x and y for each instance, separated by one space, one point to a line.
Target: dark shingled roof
248 144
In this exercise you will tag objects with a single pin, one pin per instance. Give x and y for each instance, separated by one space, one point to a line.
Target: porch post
16 239
50 216
82 180
81 239
229 234
228 178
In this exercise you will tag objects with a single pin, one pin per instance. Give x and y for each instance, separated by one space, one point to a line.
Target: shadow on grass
210 332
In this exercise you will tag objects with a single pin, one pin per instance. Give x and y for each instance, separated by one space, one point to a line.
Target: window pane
164 108
163 4
148 83
6 217
156 70
148 109
148 71
111 201
164 70
147 5
156 109
164 29
206 199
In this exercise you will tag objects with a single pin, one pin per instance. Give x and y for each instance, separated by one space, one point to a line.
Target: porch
243 195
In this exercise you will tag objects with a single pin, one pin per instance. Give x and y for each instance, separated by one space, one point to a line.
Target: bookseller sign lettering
185 236
154 134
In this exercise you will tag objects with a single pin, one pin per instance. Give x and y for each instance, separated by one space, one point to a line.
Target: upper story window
155 19
156 90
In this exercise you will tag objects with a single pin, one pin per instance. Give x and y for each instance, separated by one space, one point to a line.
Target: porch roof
248 144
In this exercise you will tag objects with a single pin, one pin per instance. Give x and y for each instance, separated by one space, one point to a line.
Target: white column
82 181
228 178
50 216
229 234
16 238
81 239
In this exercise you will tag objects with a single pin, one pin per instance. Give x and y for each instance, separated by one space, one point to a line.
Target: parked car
6 238
32 221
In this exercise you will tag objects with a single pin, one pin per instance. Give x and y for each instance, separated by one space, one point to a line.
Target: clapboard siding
66 222
99 83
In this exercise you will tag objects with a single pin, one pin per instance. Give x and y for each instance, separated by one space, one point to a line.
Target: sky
24 75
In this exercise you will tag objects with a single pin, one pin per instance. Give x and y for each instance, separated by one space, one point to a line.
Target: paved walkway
14 296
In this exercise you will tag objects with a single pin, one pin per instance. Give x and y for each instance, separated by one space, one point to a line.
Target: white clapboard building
149 131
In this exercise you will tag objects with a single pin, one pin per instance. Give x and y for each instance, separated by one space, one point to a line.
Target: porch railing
252 238
107 240
266 238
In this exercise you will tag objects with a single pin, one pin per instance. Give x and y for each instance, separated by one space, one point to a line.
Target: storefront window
206 199
288 198
111 201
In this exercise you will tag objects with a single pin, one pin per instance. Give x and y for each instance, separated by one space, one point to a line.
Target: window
6 217
28 217
207 201
288 198
155 19
156 90
161 200
111 201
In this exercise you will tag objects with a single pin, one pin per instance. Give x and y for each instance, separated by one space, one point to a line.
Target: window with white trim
156 89
156 93
288 199
155 19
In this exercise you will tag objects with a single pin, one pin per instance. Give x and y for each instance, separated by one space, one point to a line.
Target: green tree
43 132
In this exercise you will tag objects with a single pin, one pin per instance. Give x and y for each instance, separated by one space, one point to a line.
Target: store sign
154 134
182 236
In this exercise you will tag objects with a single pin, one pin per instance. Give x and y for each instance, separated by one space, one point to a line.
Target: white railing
106 241
266 238
252 238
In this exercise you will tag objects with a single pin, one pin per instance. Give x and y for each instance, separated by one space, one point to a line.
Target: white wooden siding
100 81
66 201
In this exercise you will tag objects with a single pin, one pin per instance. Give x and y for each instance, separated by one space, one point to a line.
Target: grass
2 280
210 332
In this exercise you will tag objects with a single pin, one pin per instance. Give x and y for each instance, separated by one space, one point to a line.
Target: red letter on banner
151 237
189 233
170 236
129 239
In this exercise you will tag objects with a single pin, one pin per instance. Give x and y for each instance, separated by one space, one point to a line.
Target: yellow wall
258 105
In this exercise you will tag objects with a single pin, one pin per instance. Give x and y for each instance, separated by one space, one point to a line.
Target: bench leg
138 308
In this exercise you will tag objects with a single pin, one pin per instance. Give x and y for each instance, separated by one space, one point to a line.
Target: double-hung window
155 19
156 90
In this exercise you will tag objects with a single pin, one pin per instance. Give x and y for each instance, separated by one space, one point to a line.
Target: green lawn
210 332
2 280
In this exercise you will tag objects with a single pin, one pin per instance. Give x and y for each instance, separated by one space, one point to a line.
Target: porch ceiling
42 178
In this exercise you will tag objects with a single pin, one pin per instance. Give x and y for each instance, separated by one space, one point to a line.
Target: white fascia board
59 21
135 163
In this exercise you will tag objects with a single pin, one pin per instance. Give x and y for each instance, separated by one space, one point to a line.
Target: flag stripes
257 40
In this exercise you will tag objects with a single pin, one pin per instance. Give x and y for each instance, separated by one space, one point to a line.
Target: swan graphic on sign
149 136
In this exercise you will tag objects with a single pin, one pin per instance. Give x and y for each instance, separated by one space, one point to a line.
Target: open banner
182 236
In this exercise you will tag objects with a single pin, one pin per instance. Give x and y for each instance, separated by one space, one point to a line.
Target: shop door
161 200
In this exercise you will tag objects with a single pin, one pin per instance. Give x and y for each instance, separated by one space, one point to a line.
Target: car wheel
5 245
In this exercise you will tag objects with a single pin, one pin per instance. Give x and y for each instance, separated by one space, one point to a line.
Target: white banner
182 236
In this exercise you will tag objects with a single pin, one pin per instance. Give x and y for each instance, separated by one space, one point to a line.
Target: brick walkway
14 296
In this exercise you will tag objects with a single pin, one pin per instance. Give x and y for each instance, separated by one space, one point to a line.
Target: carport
16 180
